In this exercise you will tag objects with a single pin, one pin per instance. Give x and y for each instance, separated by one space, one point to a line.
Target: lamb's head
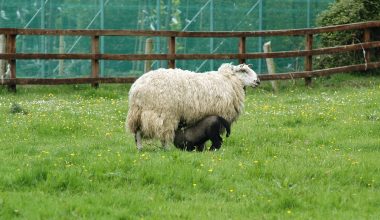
243 71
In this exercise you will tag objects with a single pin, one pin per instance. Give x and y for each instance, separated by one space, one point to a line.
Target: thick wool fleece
159 99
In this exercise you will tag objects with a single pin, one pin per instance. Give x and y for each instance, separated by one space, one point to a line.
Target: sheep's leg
168 133
138 140
165 145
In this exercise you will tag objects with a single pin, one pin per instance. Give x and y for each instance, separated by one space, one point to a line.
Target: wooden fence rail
94 55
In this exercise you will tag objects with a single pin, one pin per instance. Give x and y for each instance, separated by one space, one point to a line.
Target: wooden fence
94 55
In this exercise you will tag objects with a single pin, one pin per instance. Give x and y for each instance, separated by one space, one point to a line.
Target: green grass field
304 153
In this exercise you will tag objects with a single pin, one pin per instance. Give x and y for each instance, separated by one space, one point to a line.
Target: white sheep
161 98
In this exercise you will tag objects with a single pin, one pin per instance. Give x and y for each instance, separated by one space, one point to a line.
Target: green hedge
344 12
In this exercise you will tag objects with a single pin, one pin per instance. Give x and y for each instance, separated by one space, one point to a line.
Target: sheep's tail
133 122
225 124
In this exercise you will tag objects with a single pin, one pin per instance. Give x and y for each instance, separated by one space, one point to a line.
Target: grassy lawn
304 153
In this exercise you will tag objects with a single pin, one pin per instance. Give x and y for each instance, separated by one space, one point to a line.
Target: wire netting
179 15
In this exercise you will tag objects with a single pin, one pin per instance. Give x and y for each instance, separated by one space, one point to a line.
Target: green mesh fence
179 15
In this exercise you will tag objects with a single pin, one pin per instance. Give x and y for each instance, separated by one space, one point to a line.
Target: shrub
344 12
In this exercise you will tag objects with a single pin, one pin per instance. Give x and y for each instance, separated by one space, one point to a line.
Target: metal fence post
367 38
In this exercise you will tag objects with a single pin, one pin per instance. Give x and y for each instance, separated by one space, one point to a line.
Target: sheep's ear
226 67
246 64
243 67
240 68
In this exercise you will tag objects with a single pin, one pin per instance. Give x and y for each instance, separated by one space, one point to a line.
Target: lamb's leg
216 142
200 147
190 148
138 140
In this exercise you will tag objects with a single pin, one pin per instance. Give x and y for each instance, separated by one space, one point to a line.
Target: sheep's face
246 75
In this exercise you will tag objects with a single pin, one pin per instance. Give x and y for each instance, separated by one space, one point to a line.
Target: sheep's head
243 72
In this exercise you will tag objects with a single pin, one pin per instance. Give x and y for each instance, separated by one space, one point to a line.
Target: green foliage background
189 15
344 12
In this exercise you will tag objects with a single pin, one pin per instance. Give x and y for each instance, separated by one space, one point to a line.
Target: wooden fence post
95 61
61 63
308 59
171 43
270 65
148 50
242 49
2 62
11 48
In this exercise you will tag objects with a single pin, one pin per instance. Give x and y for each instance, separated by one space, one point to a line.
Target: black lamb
195 136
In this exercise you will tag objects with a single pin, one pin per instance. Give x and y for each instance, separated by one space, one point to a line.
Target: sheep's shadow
151 146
